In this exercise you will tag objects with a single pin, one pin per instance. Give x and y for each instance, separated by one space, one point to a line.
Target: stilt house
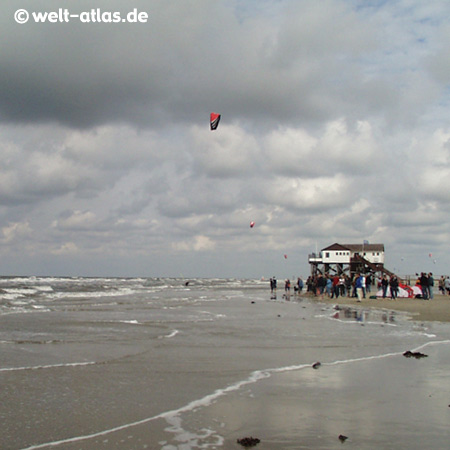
350 259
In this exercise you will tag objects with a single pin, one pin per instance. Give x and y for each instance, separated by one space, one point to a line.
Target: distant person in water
273 285
300 285
287 286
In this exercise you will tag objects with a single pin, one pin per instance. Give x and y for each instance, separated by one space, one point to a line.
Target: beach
170 365
437 309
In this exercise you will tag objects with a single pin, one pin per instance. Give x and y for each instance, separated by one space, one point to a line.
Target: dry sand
437 309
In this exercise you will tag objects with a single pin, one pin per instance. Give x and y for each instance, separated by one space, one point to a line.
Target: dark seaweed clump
248 441
416 355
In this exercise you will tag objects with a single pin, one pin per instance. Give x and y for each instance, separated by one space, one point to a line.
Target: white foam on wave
170 335
43 288
209 313
11 294
50 366
94 294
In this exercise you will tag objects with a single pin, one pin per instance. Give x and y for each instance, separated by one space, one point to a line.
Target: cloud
198 244
337 149
16 232
229 153
334 129
69 248
76 220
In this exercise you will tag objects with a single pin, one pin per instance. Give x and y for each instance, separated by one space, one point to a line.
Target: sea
175 363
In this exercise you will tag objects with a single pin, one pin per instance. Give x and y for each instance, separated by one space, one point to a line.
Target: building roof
356 247
365 247
336 246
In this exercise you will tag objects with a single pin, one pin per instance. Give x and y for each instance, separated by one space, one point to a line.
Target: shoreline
435 310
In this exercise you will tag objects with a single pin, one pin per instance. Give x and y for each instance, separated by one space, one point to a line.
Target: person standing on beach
368 283
430 286
309 284
384 285
321 284
359 287
273 285
348 285
442 285
329 286
447 285
424 285
287 286
342 285
300 285
393 285
335 287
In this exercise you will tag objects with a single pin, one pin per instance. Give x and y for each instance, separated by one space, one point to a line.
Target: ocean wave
49 366
90 294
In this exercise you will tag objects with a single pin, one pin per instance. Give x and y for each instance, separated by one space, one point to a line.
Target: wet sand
200 368
389 402
437 309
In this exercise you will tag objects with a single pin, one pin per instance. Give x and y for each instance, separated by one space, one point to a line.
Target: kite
252 224
285 256
214 121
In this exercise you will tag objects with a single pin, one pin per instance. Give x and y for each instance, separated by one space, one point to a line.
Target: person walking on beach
359 287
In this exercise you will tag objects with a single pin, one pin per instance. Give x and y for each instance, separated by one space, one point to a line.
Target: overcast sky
335 128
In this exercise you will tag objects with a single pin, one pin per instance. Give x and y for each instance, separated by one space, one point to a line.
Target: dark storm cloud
186 60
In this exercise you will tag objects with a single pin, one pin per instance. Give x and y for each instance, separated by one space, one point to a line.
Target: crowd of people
333 286
360 285
426 283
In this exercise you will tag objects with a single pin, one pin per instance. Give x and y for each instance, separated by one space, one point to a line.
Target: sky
334 128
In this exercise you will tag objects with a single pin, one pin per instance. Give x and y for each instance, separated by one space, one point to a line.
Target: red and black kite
214 121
